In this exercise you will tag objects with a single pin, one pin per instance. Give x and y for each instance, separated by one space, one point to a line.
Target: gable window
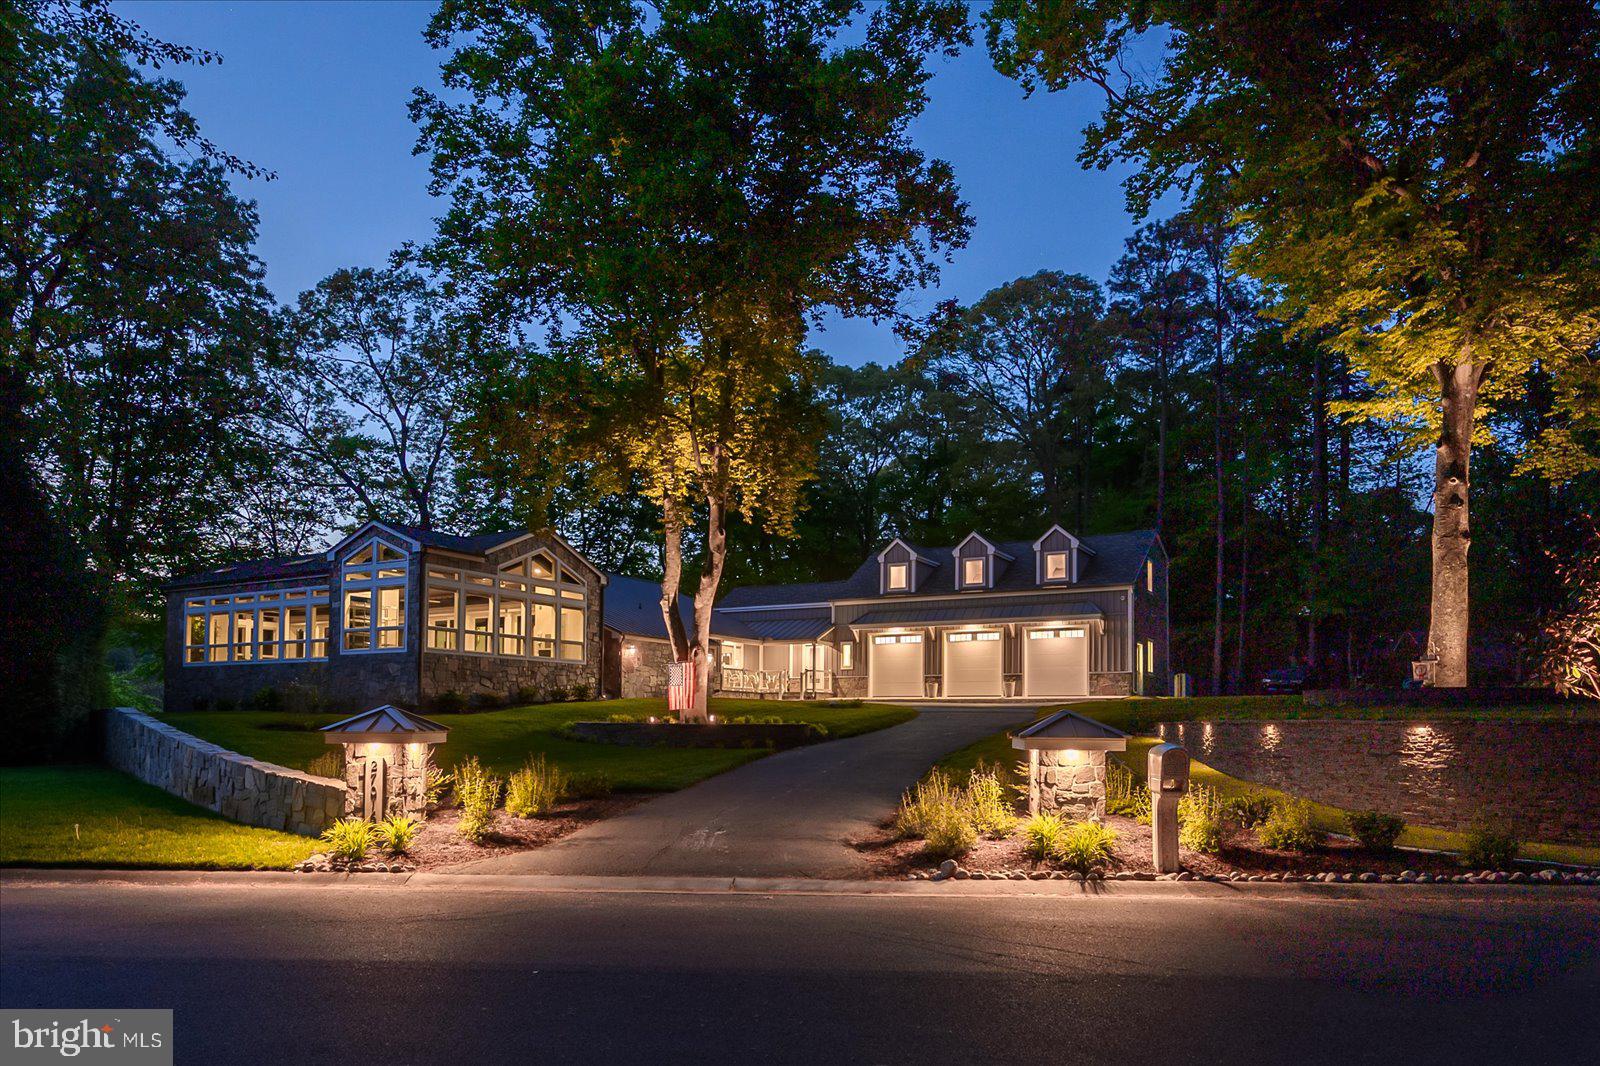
1149 576
530 607
374 587
899 577
1055 566
972 571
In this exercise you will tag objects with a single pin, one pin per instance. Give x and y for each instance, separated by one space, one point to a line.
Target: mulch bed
894 859
438 846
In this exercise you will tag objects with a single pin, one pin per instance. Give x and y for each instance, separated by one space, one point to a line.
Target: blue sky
317 93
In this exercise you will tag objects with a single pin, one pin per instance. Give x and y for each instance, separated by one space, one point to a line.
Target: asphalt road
374 974
787 815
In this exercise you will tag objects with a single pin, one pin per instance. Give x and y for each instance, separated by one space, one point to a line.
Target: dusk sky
317 93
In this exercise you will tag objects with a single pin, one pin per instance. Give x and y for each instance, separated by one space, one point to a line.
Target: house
389 614
1057 616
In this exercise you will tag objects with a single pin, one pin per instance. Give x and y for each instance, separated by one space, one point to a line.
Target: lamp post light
1067 764
387 755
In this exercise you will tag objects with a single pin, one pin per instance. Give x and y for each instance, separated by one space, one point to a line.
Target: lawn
503 740
92 816
1136 715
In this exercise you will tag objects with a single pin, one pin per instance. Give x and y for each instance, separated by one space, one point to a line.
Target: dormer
977 563
902 569
1059 557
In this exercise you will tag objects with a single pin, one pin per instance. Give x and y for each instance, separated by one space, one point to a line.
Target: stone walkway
787 815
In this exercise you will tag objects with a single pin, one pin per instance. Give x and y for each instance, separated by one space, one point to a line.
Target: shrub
535 788
1041 835
988 807
925 803
478 792
451 702
1200 820
1250 809
485 701
348 838
396 833
1375 831
266 699
528 694
433 790
1125 794
588 786
329 764
1490 845
950 835
1288 827
1084 847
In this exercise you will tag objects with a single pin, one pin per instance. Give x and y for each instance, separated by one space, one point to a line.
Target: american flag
680 686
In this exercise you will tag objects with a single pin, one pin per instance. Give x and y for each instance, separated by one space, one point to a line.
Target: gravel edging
950 870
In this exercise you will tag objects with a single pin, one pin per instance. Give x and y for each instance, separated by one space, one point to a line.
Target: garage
1055 662
896 664
972 663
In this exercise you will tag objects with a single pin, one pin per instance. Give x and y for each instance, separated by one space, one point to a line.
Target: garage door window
904 638
1055 634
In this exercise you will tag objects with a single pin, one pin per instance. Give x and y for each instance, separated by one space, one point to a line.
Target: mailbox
1167 770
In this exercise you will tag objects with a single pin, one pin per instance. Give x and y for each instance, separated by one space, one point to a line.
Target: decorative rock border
950 870
325 864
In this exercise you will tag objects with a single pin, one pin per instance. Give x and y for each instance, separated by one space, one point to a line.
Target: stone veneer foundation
1075 789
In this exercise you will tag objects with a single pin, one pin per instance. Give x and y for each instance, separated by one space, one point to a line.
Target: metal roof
1064 729
385 725
633 608
791 625
976 612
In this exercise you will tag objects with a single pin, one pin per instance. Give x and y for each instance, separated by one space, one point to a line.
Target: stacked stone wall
1072 784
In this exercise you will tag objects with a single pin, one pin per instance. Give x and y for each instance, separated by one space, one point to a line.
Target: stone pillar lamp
387 755
1067 764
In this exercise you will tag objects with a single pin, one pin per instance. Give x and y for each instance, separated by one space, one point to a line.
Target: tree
1032 356
1569 653
370 395
679 192
133 312
1420 182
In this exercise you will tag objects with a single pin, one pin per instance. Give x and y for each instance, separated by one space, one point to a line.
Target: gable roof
307 567
1112 559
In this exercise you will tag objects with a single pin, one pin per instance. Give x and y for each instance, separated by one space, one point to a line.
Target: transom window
531 607
981 635
373 582
898 638
1055 566
972 571
283 625
1054 634
899 577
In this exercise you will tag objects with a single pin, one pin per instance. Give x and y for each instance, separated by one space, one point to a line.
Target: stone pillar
1069 782
393 777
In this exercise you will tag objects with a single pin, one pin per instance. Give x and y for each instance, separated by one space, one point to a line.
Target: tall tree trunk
1161 439
705 599
672 577
1219 574
1452 535
1236 676
1319 508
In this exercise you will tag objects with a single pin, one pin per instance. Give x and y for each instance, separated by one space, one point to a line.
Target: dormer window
1055 566
898 577
972 572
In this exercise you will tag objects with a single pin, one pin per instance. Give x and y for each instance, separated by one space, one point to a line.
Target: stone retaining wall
1542 776
235 786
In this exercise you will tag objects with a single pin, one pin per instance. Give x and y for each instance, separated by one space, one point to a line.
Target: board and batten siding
1108 646
899 553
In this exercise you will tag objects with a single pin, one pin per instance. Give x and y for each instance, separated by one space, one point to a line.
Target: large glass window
256 627
374 586
530 607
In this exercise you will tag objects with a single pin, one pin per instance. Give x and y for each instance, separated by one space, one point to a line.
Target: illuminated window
531 607
256 627
899 577
847 656
373 583
1055 566
1149 575
732 655
972 571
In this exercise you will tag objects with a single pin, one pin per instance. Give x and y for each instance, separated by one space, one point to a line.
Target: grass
504 740
1134 715
92 816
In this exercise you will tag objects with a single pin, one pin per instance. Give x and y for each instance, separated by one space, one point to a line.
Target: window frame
564 593
1066 565
982 563
366 571
231 608
890 570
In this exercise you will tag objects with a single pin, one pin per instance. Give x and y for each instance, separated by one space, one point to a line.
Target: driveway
783 816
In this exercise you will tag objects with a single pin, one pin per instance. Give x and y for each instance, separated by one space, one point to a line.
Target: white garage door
1055 662
896 664
972 663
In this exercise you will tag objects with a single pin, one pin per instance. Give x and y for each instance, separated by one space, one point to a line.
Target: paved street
787 815
464 972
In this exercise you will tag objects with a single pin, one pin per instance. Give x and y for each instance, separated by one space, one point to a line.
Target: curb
557 883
